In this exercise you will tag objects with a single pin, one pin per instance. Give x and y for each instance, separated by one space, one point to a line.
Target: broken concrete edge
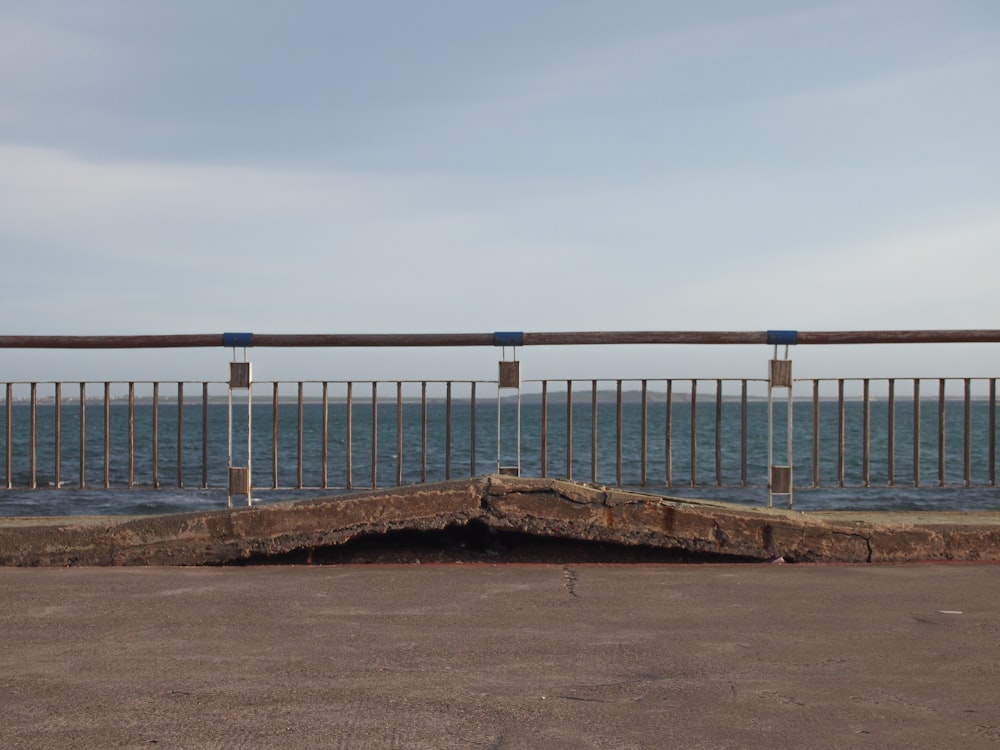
552 508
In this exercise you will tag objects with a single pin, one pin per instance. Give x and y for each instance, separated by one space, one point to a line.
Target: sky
450 166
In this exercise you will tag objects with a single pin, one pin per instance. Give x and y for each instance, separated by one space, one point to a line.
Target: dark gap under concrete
475 542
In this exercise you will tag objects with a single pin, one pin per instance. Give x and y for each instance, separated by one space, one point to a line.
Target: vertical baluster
668 436
57 479
349 425
131 435
718 433
545 429
156 435
326 436
204 435
941 432
569 429
374 434
299 436
967 463
83 434
593 431
743 432
107 435
891 440
423 431
180 434
916 432
472 430
447 431
694 433
274 435
8 434
841 432
815 432
618 435
993 433
33 436
644 422
399 433
866 432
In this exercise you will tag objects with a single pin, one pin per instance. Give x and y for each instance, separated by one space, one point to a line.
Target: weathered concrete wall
547 508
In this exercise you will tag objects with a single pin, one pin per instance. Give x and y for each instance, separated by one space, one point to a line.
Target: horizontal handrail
567 338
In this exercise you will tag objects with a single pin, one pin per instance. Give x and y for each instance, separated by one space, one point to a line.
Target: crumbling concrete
542 507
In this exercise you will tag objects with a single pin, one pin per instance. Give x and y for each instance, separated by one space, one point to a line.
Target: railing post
779 376
509 378
240 379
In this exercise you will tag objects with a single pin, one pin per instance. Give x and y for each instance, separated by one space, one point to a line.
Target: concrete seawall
544 508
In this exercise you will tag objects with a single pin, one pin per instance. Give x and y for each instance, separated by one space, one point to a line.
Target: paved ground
501 656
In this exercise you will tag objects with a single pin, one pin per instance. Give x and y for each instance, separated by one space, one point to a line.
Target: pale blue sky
170 166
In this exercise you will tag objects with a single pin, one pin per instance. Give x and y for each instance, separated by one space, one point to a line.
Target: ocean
143 463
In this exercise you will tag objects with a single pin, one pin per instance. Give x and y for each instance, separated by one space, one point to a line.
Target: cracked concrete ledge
543 507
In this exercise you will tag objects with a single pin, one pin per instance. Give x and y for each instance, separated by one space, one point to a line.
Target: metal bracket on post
240 378
779 480
508 377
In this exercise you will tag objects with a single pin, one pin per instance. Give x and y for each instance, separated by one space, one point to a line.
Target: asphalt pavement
502 656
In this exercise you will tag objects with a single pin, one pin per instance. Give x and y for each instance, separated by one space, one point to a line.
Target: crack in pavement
569 581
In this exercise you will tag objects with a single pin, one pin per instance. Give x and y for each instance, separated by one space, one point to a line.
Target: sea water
689 449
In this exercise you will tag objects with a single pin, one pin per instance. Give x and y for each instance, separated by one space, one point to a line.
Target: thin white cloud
928 277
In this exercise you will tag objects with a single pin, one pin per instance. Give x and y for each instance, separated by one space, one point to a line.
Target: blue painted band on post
237 339
783 338
508 338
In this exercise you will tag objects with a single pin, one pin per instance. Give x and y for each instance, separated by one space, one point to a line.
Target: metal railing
658 433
